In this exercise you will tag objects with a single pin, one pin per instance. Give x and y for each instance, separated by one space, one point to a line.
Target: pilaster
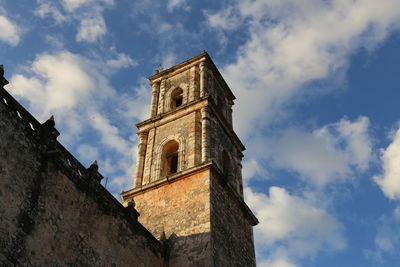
161 99
154 98
203 81
141 154
205 134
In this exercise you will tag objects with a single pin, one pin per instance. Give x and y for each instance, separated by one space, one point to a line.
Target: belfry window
169 158
176 98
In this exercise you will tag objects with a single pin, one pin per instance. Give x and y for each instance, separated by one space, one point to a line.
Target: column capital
142 136
205 112
155 83
202 65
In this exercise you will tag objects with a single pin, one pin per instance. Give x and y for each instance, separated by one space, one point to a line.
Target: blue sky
317 87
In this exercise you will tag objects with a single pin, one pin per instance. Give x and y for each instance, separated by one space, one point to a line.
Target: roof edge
194 59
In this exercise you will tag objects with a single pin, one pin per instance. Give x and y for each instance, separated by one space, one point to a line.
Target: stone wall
203 226
220 142
179 209
182 130
231 224
53 211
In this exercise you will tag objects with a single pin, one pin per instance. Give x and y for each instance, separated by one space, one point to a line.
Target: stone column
140 158
192 83
154 98
239 178
161 99
205 134
203 81
210 82
229 116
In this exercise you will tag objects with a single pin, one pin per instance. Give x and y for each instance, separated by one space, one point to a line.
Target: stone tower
188 184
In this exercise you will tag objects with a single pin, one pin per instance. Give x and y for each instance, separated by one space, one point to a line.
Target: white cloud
168 60
225 19
88 13
389 180
122 61
292 227
359 143
332 153
314 157
251 168
278 259
110 135
72 5
47 8
88 153
76 90
174 4
137 107
55 41
91 29
10 32
59 82
294 42
387 238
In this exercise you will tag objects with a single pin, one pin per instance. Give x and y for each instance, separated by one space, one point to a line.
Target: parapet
54 210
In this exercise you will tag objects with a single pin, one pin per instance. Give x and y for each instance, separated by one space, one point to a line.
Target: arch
176 98
157 169
169 158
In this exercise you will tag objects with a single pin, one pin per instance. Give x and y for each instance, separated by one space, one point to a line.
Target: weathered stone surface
198 209
232 233
54 212
181 212
188 189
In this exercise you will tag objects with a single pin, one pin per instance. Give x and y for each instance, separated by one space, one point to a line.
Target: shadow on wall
53 210
191 250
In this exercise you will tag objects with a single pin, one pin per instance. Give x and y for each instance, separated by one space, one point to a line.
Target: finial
131 209
94 165
3 80
203 51
93 172
48 131
163 236
131 203
159 69
50 122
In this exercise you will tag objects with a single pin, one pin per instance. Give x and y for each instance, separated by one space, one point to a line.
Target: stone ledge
166 180
181 175
182 109
188 63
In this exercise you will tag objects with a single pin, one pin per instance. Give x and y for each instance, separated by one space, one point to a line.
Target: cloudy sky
317 87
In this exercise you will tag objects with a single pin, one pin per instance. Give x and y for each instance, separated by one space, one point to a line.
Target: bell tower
188 184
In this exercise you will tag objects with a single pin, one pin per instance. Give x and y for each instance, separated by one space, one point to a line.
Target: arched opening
176 98
169 158
226 162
